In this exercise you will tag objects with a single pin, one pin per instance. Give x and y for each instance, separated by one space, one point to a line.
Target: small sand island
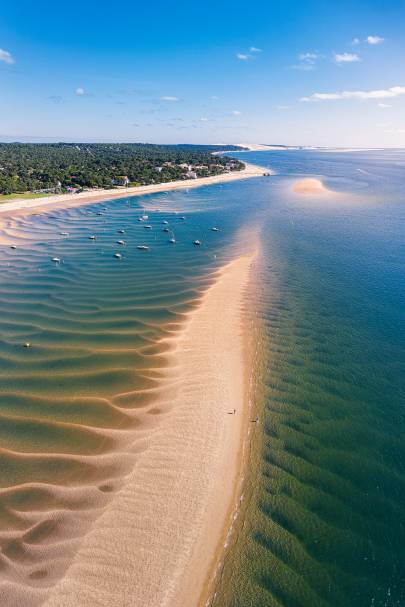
311 186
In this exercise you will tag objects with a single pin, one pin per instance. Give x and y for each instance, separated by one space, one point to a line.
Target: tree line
30 167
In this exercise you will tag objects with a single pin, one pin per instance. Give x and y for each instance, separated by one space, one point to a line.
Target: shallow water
77 404
322 520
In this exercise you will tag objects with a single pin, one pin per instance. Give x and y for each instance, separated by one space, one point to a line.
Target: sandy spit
160 534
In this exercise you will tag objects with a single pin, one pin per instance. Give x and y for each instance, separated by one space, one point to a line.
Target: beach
160 535
23 207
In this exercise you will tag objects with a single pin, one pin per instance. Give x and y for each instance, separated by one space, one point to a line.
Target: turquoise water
323 520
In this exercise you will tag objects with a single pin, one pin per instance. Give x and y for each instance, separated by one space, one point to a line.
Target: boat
13 246
145 217
56 259
142 247
214 229
183 218
197 243
166 223
147 227
64 233
172 241
99 213
121 231
92 237
165 230
117 255
121 242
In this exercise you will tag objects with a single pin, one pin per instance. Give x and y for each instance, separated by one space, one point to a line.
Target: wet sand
159 535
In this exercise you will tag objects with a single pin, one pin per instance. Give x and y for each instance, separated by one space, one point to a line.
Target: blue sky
310 73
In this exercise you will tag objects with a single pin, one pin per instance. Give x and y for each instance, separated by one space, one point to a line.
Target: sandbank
160 534
310 186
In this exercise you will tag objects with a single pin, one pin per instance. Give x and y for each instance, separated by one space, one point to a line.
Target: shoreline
161 535
25 207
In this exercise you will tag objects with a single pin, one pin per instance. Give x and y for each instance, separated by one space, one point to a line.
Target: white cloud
246 56
169 98
356 41
394 91
307 61
374 39
308 57
346 57
236 113
6 57
80 92
384 105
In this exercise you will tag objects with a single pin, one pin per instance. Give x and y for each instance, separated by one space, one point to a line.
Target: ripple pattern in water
78 404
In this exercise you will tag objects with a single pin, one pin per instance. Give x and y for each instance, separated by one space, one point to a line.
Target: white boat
214 229
64 233
166 223
92 237
117 255
121 242
197 243
142 247
172 241
13 246
56 259
147 227
165 230
121 231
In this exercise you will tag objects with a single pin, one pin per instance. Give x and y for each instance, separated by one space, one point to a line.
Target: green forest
64 167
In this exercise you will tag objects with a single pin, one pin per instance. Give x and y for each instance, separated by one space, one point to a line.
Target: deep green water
322 522
323 517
